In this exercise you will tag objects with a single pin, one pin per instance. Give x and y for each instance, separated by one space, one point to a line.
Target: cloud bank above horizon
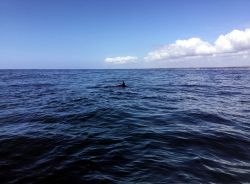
121 60
236 42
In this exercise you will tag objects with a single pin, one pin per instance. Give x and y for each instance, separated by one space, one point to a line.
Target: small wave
168 126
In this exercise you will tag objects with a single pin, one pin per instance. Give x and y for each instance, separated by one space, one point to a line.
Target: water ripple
168 126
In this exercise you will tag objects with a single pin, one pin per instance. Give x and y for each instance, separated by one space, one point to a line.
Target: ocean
166 126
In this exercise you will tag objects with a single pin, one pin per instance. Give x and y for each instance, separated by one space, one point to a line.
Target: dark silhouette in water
123 85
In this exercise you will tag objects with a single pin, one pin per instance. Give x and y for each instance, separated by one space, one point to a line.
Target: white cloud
121 60
234 42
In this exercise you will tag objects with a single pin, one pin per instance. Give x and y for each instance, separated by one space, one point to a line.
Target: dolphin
123 85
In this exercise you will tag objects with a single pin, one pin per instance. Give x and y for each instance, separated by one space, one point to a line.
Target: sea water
166 126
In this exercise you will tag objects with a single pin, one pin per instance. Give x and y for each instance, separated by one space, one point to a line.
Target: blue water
167 126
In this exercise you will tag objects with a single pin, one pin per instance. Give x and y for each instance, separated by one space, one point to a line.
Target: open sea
167 126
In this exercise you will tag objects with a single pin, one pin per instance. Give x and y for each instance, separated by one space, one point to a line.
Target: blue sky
84 34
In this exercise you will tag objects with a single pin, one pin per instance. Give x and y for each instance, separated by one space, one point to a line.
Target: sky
83 34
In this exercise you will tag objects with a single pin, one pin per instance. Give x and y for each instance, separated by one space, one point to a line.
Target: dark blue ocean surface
167 126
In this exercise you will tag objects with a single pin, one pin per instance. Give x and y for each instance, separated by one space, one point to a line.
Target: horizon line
212 67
